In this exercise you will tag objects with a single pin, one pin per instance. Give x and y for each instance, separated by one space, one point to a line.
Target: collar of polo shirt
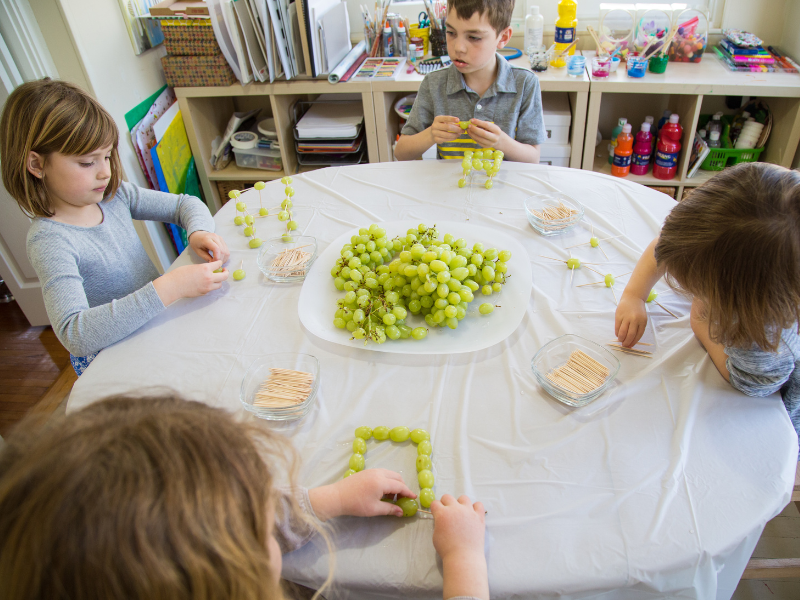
504 82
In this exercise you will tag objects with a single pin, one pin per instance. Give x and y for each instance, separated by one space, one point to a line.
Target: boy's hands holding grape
445 129
190 281
458 536
359 495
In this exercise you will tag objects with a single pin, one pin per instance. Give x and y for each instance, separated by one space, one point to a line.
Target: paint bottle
669 145
387 40
622 153
642 149
614 135
566 28
400 42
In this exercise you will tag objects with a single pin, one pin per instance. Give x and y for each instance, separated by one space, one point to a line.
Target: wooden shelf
234 172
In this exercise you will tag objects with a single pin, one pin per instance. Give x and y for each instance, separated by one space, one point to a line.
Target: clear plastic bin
258 158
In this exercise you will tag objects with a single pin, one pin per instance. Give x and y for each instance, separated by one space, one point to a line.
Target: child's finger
386 508
621 329
479 510
447 500
392 486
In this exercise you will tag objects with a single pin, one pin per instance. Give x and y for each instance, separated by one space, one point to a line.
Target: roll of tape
244 140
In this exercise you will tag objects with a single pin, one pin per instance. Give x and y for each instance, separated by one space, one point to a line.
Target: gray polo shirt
513 103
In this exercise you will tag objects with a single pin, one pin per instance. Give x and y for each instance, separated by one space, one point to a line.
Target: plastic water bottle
713 140
534 30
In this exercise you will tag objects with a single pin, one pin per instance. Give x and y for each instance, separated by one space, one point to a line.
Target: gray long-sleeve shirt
97 281
756 372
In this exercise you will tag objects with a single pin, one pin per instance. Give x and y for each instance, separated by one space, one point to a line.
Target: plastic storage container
653 26
557 117
258 158
691 38
719 158
617 26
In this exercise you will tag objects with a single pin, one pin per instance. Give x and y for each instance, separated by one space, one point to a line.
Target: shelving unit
386 93
688 87
207 110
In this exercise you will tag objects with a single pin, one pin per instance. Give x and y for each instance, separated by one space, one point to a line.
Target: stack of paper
331 120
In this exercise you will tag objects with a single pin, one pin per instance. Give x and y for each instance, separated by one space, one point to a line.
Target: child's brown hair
147 498
735 244
498 12
47 116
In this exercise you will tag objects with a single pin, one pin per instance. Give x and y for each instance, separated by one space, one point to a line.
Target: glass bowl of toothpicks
287 258
553 214
574 370
280 387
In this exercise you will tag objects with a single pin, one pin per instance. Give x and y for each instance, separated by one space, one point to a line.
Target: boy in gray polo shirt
502 104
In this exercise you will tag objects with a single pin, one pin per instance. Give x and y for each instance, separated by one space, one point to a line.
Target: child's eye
86 164
451 33
475 39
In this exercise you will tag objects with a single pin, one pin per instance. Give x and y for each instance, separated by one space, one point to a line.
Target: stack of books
330 131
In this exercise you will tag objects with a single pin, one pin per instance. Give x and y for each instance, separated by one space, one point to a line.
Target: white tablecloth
658 489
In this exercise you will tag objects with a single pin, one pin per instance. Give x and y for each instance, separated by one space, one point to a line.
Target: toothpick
615 295
571 274
629 351
593 283
618 345
666 309
636 344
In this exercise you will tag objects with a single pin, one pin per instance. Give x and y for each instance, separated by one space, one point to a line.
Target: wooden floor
35 374
32 363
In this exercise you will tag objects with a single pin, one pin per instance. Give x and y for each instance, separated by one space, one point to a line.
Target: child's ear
35 164
504 38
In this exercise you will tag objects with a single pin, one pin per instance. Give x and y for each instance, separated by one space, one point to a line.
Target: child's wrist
165 289
326 501
466 574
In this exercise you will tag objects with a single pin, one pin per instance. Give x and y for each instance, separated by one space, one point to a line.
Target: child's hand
360 495
190 281
458 535
630 320
445 129
488 135
206 243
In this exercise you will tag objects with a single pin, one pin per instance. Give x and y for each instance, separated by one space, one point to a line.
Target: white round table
659 489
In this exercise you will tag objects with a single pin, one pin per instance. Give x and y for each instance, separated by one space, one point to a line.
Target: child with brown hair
163 498
502 104
58 149
734 245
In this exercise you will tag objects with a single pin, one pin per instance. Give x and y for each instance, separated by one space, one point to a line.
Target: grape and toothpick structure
595 243
248 220
386 279
488 160
421 438
572 264
608 280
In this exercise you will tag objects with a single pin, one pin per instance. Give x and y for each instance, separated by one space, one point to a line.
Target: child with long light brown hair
161 498
734 246
60 162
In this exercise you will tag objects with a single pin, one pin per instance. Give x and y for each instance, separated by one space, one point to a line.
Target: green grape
438 316
454 297
488 184
255 242
441 303
472 270
462 182
419 435
364 433
220 270
609 280
392 332
339 283
248 231
339 323
399 434
241 206
356 276
486 308
405 331
348 473
425 477
443 277
283 216
500 267
490 254
426 301
466 295
476 259
460 273
452 323
454 285
349 286
472 285
291 225
450 311
289 191
357 464
249 219
424 462
419 333
350 297
359 446
358 314
488 273
381 433
424 447
238 274
504 255
429 256
426 497
497 287
360 333
486 290
461 313
399 312
238 220
408 505
651 296
389 319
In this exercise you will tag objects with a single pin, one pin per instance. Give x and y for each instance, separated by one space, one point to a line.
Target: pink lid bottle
669 146
642 149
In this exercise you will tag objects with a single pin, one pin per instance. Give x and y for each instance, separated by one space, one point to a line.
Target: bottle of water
534 30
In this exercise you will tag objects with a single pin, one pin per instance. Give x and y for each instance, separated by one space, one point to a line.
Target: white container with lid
555 154
557 117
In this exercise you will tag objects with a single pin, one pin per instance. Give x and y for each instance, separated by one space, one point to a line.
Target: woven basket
669 191
224 187
753 107
197 71
193 37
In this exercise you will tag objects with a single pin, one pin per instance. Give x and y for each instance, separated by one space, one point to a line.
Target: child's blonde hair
147 498
735 244
47 116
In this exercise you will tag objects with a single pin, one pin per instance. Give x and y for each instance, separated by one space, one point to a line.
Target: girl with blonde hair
60 162
158 497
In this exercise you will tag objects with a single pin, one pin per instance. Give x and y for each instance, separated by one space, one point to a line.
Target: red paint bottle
669 146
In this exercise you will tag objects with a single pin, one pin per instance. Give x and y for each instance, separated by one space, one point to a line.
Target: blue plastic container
637 66
576 66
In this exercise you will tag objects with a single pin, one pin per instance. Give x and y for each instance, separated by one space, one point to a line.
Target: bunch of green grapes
384 280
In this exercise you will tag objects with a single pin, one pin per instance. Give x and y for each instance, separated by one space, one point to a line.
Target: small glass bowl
540 58
259 371
288 241
556 353
538 202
